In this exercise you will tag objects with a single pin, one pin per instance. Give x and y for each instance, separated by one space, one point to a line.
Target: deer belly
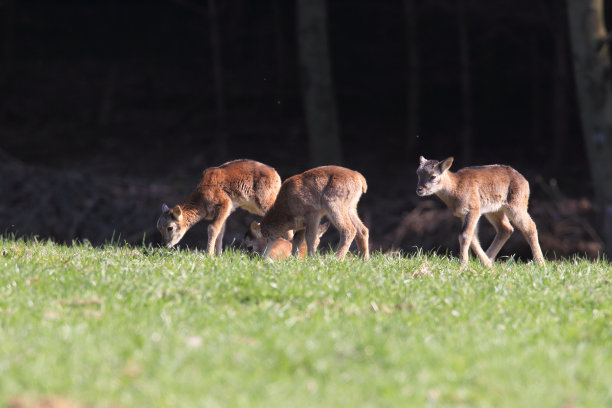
249 206
490 207
299 223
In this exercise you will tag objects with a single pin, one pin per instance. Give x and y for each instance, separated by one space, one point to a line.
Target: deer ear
165 208
422 160
445 164
323 228
256 229
176 212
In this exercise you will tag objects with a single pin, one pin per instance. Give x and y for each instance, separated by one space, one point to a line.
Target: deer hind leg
342 221
296 242
312 233
470 221
503 230
521 219
216 229
363 234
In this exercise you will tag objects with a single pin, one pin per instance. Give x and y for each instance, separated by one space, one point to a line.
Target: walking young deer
245 184
499 192
282 248
304 199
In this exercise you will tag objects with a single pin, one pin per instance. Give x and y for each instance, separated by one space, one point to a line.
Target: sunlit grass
143 327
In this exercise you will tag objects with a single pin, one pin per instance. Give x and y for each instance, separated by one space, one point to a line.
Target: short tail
364 184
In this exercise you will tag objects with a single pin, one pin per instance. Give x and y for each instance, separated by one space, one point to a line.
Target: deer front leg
475 245
312 233
216 228
467 234
296 242
219 242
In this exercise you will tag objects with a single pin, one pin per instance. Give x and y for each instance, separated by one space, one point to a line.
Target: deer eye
169 229
432 178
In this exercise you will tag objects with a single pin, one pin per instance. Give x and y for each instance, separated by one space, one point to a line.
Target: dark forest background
109 108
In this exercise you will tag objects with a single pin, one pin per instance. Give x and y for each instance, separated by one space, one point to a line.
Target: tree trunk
279 46
8 41
559 89
414 63
466 83
591 58
317 86
106 105
220 106
536 93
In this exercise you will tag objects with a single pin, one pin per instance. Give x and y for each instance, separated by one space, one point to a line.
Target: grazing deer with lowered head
245 184
304 199
282 248
498 192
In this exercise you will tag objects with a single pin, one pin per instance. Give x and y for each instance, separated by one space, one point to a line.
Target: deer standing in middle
305 198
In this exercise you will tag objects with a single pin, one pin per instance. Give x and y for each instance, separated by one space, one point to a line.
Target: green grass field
142 327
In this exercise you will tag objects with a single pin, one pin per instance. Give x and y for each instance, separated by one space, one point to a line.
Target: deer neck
274 225
193 211
448 190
